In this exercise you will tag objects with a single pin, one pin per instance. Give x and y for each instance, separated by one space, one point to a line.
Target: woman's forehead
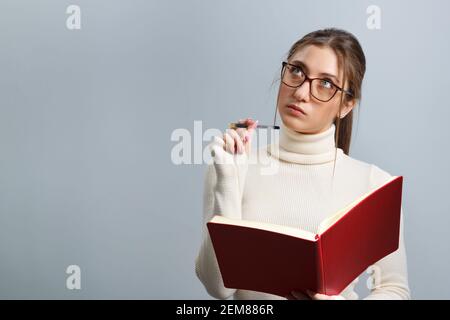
318 60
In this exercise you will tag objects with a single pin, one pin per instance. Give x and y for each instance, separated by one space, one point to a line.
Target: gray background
86 117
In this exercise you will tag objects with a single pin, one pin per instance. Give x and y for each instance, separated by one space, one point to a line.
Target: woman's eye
297 71
326 84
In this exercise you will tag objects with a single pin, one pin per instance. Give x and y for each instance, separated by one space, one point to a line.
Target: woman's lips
296 110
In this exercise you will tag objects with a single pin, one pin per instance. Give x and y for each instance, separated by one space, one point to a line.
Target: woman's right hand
232 148
239 140
230 159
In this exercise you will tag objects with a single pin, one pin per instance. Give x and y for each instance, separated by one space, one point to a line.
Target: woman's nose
302 92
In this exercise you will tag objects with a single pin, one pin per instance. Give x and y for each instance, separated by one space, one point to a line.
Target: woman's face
318 116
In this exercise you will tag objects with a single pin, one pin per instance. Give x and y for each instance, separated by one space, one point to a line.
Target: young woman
320 85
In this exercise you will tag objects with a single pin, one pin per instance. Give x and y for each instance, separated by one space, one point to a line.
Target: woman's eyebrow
305 67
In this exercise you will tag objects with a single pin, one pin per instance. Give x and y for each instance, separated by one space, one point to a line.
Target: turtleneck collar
303 148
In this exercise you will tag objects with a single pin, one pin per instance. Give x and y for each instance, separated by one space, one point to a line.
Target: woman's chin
294 123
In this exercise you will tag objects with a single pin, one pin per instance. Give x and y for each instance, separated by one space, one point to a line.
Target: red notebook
278 259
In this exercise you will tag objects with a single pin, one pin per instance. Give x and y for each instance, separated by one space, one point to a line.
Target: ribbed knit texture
291 182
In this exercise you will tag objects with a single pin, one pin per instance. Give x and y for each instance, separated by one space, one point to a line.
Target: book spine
321 288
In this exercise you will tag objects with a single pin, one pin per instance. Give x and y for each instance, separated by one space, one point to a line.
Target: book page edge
291 231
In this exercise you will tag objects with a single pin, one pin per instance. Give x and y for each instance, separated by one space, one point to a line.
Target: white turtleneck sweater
290 183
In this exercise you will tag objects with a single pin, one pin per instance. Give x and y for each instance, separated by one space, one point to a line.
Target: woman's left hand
297 295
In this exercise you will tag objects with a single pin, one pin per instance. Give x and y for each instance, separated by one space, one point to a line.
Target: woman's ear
348 106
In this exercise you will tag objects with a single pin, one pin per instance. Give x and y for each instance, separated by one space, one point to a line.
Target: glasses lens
322 89
293 76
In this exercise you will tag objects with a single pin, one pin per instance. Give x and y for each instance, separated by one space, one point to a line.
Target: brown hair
352 61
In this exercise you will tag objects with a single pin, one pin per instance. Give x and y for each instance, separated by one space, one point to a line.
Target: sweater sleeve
222 195
390 274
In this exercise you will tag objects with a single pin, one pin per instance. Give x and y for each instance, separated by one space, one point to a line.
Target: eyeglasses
321 89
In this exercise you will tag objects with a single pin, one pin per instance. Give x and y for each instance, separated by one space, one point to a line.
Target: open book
279 259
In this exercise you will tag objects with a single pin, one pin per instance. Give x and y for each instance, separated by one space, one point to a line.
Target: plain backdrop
86 118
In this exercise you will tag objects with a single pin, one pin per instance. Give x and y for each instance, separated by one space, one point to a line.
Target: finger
229 143
244 135
217 142
300 295
319 296
245 138
313 295
290 297
237 140
241 132
251 126
337 297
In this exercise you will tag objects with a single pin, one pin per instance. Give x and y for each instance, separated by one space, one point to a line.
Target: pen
243 125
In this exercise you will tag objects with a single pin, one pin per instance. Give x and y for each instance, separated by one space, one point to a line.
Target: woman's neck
304 148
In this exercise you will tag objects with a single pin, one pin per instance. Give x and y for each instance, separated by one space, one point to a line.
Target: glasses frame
283 70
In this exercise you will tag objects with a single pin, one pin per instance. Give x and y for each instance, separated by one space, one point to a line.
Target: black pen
259 126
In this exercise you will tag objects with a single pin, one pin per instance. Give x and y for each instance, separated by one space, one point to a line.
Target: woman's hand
229 154
232 148
239 140
297 295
